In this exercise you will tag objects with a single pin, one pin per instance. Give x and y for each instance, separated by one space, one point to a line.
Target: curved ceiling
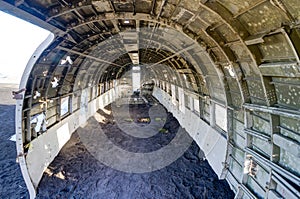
243 54
229 51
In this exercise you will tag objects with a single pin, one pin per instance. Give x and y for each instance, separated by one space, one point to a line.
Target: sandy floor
11 181
94 170
78 173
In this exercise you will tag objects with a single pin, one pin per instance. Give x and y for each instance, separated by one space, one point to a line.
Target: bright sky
18 41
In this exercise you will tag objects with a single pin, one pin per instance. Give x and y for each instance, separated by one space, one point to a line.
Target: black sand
75 173
12 184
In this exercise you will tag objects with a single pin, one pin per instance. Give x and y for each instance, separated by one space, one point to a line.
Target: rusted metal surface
245 56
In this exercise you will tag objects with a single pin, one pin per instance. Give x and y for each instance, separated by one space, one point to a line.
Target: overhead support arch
231 66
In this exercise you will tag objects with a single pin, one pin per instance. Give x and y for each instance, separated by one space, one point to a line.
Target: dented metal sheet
280 69
242 55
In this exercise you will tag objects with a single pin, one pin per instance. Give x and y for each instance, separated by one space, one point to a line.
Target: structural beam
87 56
273 110
174 55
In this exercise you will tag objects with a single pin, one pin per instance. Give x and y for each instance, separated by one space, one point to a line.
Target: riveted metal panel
205 40
258 182
249 69
102 6
238 154
276 48
282 190
219 55
238 126
261 122
262 175
255 187
235 92
290 128
262 147
237 100
236 169
233 85
191 5
237 6
293 7
289 161
227 33
168 9
280 69
143 6
216 92
288 92
240 51
182 15
256 91
237 135
239 140
263 18
197 25
209 18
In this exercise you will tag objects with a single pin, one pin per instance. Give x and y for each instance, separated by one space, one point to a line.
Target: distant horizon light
18 39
